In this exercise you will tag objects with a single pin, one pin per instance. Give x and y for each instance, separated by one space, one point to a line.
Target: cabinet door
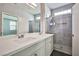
39 52
48 47
25 52
51 43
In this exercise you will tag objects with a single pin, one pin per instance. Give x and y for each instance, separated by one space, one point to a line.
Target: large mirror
27 18
19 18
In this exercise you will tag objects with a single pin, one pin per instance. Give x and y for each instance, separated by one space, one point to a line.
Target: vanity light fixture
32 5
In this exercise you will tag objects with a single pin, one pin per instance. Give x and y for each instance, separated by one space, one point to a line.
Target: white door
75 30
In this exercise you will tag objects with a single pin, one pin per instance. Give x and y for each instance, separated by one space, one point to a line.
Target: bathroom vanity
32 44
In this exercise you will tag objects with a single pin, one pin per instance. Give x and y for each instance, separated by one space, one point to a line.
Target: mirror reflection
9 24
18 18
34 24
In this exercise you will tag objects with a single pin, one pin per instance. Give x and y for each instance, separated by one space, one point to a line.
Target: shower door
63 31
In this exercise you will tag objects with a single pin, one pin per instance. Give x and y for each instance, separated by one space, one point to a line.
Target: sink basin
30 38
25 40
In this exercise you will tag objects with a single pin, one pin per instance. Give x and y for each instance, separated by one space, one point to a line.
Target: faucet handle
22 36
19 36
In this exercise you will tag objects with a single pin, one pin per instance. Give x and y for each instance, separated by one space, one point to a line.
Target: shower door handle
72 35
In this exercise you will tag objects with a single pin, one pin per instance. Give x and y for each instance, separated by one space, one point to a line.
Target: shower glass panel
63 30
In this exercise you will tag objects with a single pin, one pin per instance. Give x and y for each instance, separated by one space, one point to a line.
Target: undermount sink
25 40
30 38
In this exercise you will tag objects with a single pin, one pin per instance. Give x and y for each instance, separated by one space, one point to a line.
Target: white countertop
13 45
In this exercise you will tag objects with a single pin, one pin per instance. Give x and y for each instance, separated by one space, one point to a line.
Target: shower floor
57 53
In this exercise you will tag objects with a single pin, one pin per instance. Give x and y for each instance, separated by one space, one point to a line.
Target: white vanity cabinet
37 49
44 47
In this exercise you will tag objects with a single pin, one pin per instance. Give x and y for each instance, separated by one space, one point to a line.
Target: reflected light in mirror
32 5
38 18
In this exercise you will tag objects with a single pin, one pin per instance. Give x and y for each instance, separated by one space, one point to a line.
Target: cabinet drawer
39 52
29 51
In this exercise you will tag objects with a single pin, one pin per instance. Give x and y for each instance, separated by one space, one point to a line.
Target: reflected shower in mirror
52 22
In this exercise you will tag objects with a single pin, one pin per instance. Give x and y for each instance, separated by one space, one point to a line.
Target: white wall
18 11
75 30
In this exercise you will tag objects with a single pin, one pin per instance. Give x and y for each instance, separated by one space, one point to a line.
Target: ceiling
30 10
37 9
49 5
55 5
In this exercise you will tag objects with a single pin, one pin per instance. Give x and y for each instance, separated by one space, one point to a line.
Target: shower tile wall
63 30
